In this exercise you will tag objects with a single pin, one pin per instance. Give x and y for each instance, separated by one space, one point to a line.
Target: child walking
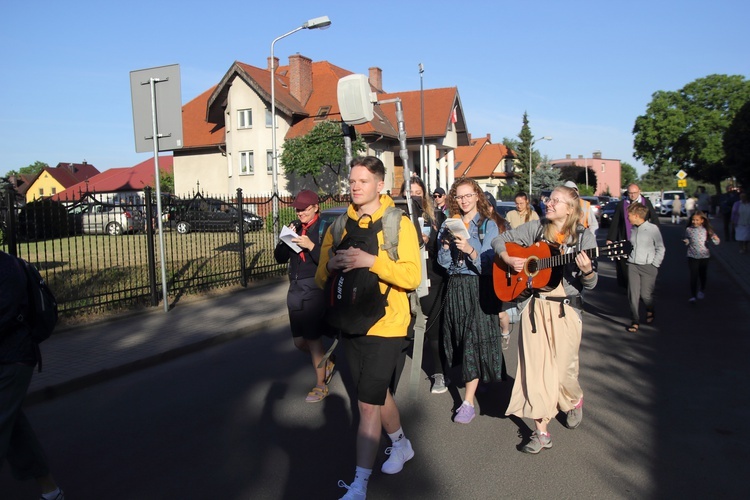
697 236
643 264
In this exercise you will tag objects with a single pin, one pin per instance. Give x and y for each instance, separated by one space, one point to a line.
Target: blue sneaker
465 414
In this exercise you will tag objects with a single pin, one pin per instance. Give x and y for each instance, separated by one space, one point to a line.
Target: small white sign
681 174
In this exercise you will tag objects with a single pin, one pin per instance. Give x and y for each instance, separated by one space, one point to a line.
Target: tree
319 155
628 174
32 169
546 177
737 146
685 129
166 181
522 152
577 174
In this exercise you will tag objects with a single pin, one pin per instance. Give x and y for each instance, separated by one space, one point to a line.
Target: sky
582 70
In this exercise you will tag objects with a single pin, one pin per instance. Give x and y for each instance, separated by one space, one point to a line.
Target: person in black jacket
18 356
305 299
620 227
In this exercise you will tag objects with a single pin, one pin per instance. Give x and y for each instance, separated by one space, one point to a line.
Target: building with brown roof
491 165
51 181
227 129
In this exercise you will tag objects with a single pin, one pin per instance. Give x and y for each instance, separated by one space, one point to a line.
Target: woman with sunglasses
468 330
550 333
305 300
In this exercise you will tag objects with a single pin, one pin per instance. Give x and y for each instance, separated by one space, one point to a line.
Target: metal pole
423 152
165 297
531 149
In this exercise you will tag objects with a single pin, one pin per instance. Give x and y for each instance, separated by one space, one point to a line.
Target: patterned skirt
471 337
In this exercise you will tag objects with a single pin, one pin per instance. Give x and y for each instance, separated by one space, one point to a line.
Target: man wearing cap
588 219
305 300
440 200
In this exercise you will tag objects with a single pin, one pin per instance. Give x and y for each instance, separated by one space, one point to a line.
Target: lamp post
531 162
316 23
423 155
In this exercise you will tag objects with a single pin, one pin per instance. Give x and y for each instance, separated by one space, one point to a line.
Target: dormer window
322 113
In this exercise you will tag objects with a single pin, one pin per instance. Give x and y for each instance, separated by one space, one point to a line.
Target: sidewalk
85 355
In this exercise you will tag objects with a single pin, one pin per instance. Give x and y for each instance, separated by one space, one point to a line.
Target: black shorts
373 362
306 305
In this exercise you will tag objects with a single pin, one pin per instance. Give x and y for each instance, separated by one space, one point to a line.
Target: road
664 418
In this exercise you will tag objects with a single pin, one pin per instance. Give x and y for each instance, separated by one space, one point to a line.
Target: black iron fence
103 255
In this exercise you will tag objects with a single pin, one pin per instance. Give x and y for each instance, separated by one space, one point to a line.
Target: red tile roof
118 179
482 159
196 131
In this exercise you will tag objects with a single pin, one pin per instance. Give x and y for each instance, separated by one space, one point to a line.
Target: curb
56 390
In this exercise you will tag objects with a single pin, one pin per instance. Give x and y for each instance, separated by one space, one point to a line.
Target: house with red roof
50 181
227 129
117 185
491 165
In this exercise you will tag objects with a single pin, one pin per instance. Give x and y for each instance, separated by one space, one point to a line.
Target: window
54 190
247 163
322 113
41 191
269 161
245 118
269 121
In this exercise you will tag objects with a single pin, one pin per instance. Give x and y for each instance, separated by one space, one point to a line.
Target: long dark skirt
471 337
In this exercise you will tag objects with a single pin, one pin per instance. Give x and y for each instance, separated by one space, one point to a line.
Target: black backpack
354 302
41 313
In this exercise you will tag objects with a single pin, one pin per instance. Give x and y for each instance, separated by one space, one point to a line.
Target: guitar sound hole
532 267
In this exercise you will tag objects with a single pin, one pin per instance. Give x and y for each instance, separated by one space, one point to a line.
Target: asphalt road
664 418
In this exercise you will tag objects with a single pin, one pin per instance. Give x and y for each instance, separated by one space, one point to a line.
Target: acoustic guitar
543 268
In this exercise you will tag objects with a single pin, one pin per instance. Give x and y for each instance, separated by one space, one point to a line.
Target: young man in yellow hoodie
373 357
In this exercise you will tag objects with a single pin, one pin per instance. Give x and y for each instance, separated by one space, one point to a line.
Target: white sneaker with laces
354 492
399 455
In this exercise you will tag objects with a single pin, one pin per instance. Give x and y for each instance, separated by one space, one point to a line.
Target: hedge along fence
92 273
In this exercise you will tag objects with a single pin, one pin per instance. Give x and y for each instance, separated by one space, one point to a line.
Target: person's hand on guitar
515 263
584 263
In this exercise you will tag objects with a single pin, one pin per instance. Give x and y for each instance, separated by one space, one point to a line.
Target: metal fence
103 256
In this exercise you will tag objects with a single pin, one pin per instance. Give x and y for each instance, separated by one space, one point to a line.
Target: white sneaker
399 455
701 295
354 492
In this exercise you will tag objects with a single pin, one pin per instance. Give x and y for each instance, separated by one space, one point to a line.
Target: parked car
503 207
606 213
102 218
595 205
667 198
210 214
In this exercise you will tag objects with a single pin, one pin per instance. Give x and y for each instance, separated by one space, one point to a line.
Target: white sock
467 403
361 477
397 438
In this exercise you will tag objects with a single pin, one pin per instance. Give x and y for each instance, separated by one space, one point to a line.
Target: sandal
632 328
317 394
505 340
650 317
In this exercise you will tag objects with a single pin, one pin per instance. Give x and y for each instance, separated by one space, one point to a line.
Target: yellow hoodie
403 275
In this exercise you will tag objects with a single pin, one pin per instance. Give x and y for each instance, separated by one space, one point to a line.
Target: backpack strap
391 226
337 230
482 230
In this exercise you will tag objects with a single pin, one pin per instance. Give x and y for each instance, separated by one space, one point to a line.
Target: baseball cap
439 191
571 184
304 199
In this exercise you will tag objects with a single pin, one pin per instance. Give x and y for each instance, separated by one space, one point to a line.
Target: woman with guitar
466 252
550 333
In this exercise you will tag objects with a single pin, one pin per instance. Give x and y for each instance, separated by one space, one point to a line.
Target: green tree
737 146
320 155
685 129
545 177
522 152
628 174
32 169
166 181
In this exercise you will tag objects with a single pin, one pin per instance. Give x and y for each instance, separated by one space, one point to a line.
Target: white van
667 198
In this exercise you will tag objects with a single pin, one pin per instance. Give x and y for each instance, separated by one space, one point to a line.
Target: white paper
456 226
287 235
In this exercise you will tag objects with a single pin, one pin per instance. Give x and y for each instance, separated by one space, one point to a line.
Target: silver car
110 219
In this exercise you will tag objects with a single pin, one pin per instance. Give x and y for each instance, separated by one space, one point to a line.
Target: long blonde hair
571 221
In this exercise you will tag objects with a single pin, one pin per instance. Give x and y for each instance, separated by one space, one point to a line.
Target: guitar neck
563 259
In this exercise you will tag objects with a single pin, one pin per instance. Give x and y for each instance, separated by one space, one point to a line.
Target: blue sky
583 70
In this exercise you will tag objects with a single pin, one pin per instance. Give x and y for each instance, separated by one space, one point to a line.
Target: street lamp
531 150
423 155
317 23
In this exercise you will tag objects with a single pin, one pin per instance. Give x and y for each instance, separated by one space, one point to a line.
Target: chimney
489 139
376 78
275 63
300 78
580 157
597 155
567 157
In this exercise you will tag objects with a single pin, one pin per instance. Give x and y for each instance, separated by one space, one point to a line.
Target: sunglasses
438 195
